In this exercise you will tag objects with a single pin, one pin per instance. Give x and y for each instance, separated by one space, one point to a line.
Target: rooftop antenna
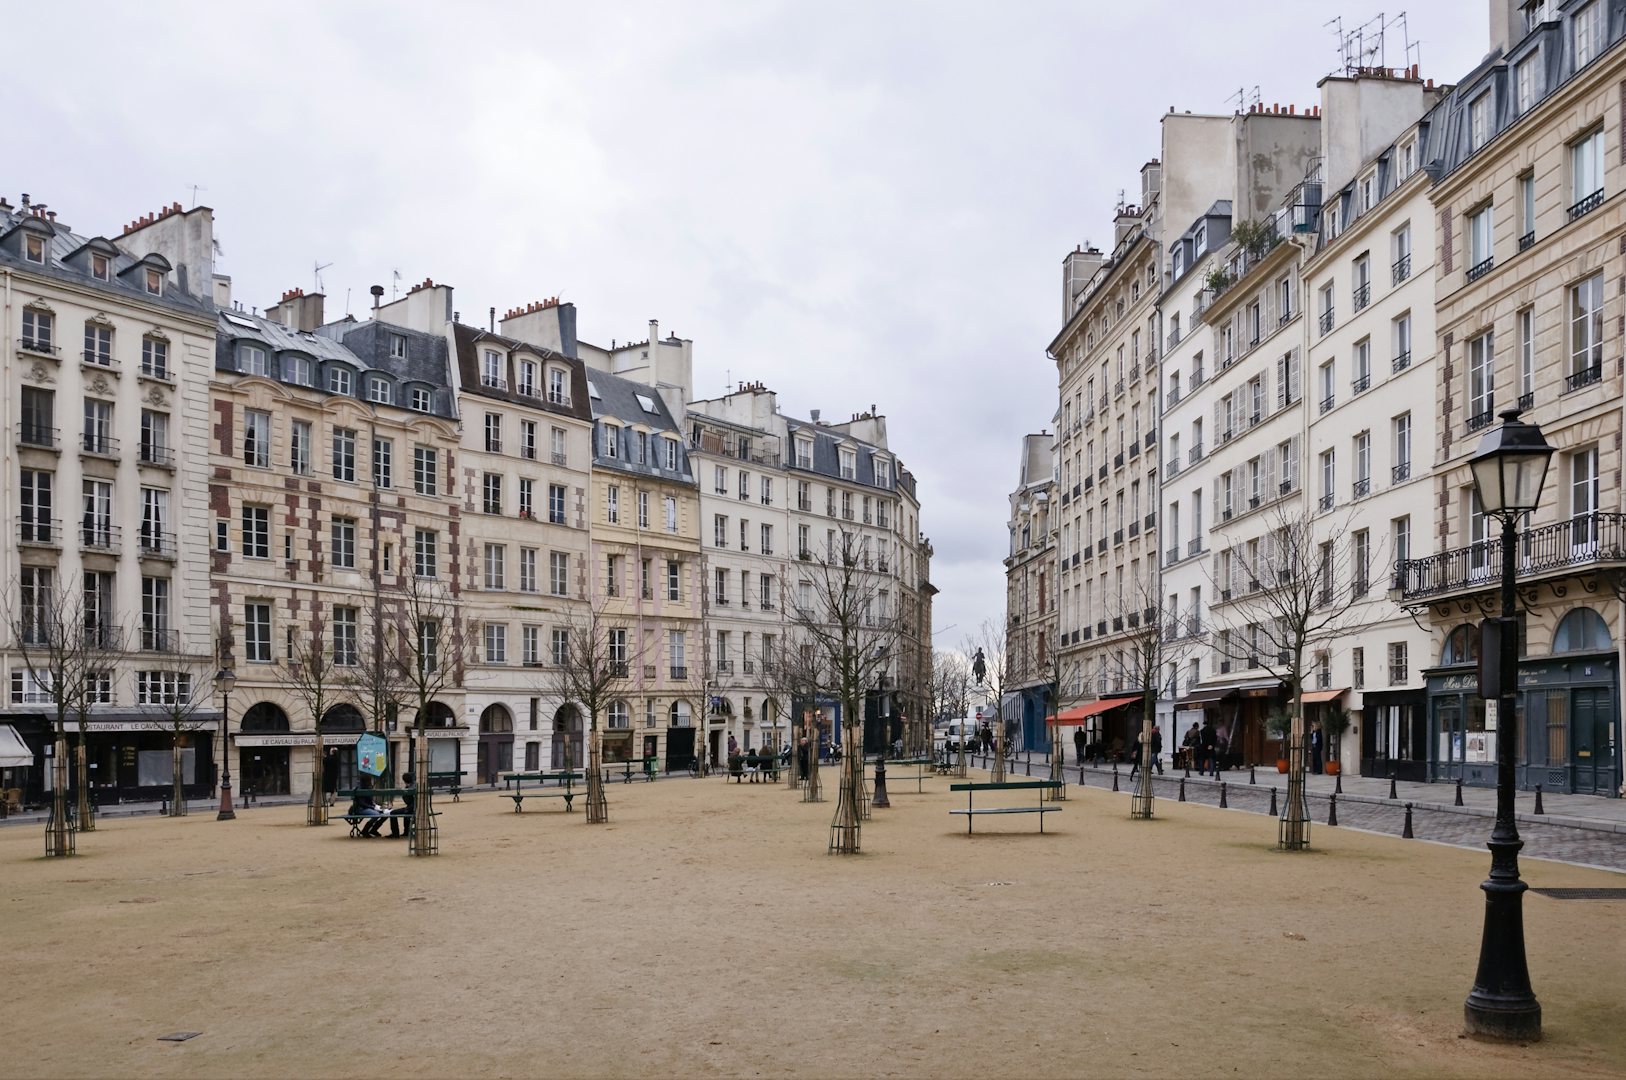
195 189
1245 98
395 283
347 303
316 274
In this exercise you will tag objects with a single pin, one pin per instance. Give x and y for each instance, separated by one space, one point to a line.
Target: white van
951 733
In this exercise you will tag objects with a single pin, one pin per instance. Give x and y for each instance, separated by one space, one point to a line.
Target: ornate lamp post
1509 471
225 680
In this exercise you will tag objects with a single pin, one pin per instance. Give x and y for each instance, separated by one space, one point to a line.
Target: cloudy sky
855 203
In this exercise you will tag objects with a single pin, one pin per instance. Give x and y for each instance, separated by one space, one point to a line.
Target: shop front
1394 734
129 757
1238 714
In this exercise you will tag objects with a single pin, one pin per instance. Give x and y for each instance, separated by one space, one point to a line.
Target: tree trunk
812 792
316 807
177 799
1295 824
58 829
844 827
1140 804
87 809
996 771
598 808
424 841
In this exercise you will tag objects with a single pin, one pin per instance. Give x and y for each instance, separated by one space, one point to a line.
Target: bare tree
951 685
431 652
794 672
178 690
1147 665
595 670
377 682
844 611
61 660
313 676
1282 602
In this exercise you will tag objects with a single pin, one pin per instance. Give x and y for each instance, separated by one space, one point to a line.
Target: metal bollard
1251 779
1392 794
1459 791
1406 833
1188 768
1182 789
163 805
1223 804
1272 802
1539 810
1338 785
1114 776
1080 777
1332 809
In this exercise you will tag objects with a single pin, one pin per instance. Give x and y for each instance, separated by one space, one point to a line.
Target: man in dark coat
1205 742
401 816
1079 742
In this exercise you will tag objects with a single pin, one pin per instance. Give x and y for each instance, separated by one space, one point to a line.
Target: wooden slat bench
1010 785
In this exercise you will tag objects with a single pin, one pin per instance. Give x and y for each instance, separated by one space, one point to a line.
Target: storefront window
155 768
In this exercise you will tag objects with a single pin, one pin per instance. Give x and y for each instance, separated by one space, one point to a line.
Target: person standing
1190 744
409 802
1079 742
1206 760
1157 749
1317 739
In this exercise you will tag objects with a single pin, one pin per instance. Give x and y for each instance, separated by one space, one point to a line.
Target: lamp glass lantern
1510 468
225 681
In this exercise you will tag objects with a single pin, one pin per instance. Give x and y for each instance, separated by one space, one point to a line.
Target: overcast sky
855 203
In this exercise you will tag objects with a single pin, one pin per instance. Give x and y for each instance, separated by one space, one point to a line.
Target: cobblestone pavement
1467 827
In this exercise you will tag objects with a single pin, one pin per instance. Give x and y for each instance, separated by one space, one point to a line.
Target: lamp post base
1508 1021
1501 1004
226 812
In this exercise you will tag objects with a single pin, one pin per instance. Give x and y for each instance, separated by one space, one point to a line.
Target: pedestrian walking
1191 744
1206 761
1317 740
1157 749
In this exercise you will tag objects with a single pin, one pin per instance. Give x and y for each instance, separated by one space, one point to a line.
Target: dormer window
612 441
1479 121
155 282
527 378
418 399
883 473
558 388
804 453
491 375
378 391
849 464
340 381
297 370
101 267
251 360
1199 242
34 249
398 344
1369 186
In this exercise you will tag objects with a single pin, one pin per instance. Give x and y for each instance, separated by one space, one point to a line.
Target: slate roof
362 347
67 259
615 398
827 455
471 338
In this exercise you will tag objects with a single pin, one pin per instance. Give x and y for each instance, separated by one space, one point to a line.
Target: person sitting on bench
409 801
363 806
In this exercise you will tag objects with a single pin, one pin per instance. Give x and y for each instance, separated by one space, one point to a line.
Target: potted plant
1217 280
1335 721
1278 722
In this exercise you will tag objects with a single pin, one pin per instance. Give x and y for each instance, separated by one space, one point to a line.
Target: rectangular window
767 491
257 438
611 441
1481 226
1586 172
496 566
558 388
1481 379
643 509
558 572
493 433
1402 447
1328 479
491 370
560 648
719 530
527 439
155 358
297 370
557 445
527 498
257 631
1586 330
340 380
383 463
530 648
426 553
257 532
251 360
496 643
344 455
671 454
299 447
1402 342
36 510
674 588
380 391
1588 28
527 570
37 330
1479 121
556 504
163 688
1361 379
344 543
1527 356
1527 210
491 493
1400 531
1527 77
425 466
344 637
612 504
527 378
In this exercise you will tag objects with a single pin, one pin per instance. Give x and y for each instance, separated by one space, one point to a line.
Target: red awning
1084 712
1315 697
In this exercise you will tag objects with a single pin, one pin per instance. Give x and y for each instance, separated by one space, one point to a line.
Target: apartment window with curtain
1481 381
1586 173
1402 448
1481 227
1527 358
1588 29
1586 332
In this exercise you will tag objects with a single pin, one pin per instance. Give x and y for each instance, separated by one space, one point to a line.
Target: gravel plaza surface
705 932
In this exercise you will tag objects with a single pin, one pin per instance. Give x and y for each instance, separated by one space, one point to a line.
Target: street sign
371 755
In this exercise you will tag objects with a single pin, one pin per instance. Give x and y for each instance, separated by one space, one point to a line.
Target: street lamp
1509 471
225 680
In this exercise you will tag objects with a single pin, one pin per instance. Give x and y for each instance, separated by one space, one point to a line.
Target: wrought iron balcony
99 536
1325 322
1590 540
1363 296
1527 240
1400 472
1361 385
156 542
1196 454
1587 205
37 435
1480 420
160 639
1363 487
1326 501
1481 268
153 454
1171 556
1327 404
1584 377
1197 376
1194 548
1172 468
1401 362
40 345
1527 401
679 672
40 530
1401 269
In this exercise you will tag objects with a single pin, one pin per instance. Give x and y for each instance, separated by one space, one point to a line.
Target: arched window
496 720
342 718
679 713
568 719
1582 630
439 715
264 717
620 717
1461 646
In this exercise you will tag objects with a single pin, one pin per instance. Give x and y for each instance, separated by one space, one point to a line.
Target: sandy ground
706 932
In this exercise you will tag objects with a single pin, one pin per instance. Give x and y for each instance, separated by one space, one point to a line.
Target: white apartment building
108 347
1031 590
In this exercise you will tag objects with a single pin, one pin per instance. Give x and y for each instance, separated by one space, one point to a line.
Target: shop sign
161 726
302 739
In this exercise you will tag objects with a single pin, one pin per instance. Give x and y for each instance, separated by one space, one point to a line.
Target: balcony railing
1171 556
494 382
42 346
1196 454
1479 420
1397 674
1194 548
97 536
1172 468
1481 268
1401 472
679 672
98 357
1527 401
1363 296
156 542
41 530
1584 377
1197 376
30 434
1527 240
1585 541
1326 404
1401 362
1587 205
93 442
725 667
152 454
1401 270
1324 324
1362 384
159 639
1326 501
1363 487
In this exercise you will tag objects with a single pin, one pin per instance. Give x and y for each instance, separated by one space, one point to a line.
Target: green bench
1040 786
358 821
646 769
515 783
919 776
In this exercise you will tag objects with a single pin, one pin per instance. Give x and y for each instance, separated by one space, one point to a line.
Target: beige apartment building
1527 151
1031 590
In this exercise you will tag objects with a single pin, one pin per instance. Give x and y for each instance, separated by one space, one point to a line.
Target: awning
14 753
1210 694
1315 697
1070 717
